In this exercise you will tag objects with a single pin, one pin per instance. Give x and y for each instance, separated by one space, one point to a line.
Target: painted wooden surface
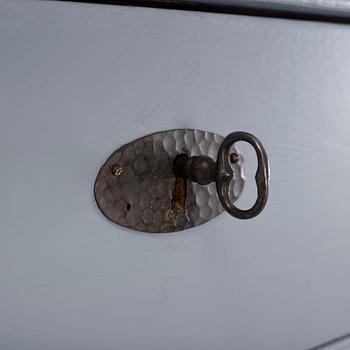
77 81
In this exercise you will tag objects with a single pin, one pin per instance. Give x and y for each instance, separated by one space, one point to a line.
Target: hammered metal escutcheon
169 181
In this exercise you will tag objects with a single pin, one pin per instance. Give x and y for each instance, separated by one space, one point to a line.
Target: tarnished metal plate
136 187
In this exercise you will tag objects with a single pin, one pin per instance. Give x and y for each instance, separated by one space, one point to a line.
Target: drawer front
77 82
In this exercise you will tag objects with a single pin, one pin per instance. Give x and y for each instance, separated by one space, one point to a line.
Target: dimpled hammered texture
136 185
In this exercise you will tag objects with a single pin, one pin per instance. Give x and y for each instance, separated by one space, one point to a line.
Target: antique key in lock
177 179
203 170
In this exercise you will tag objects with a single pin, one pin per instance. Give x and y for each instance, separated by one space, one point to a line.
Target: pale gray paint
77 81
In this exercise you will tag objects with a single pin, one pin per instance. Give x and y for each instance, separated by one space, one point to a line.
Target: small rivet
117 170
234 158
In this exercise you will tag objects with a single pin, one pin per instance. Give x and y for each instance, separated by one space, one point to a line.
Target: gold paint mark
179 198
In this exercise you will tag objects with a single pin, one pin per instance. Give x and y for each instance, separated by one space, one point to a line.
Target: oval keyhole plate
136 187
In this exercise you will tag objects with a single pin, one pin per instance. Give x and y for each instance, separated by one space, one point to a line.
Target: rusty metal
204 170
137 187
225 175
177 179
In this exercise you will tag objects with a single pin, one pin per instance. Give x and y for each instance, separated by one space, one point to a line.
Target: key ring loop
225 175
